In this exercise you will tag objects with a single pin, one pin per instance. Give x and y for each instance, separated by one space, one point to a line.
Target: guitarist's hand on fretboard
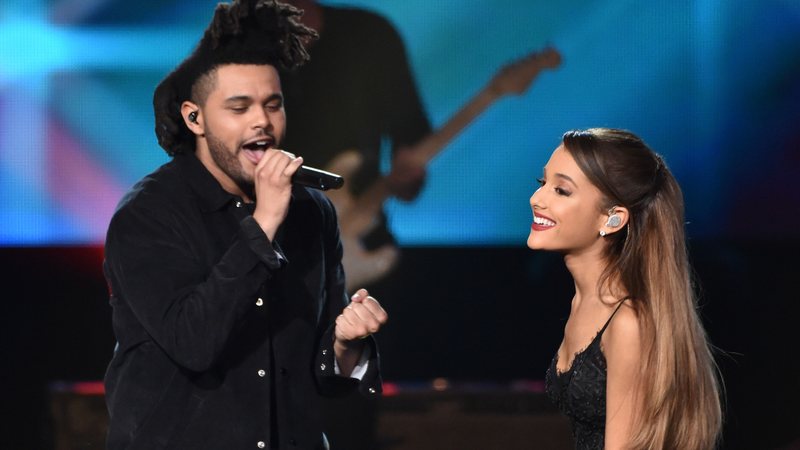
407 176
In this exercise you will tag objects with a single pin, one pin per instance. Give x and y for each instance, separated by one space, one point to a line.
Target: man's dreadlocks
241 32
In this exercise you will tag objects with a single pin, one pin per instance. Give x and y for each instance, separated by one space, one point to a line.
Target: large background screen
714 86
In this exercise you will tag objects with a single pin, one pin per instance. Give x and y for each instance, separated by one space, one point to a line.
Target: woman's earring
602 233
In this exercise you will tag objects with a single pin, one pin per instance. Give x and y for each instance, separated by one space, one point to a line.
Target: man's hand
273 188
407 176
361 318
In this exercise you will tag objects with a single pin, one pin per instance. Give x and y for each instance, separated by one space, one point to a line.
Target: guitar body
361 266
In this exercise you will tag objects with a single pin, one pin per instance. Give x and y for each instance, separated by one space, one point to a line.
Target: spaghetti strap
612 316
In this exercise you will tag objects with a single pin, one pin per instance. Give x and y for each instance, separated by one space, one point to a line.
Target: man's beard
227 161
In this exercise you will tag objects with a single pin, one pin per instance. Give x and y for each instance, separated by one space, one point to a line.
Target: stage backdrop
712 85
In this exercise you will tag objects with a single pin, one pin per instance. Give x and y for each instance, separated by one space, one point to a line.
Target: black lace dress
580 393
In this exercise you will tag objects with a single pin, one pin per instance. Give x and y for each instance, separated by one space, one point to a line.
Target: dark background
467 314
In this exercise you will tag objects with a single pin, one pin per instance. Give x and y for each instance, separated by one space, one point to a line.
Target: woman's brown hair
678 390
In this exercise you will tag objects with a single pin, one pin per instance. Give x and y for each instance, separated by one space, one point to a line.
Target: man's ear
192 117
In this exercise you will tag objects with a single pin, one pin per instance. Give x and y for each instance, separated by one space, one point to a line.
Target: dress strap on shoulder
612 315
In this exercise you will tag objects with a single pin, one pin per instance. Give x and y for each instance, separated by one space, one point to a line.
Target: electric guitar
359 215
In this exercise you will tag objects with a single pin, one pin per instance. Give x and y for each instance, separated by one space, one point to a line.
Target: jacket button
262 373
261 444
259 302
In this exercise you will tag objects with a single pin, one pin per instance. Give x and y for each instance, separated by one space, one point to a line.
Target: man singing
227 288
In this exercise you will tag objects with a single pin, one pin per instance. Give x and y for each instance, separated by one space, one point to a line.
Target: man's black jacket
224 338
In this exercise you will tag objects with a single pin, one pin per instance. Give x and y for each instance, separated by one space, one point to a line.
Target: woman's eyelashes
558 189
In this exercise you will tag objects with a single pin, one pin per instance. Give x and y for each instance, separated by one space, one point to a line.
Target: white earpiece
614 221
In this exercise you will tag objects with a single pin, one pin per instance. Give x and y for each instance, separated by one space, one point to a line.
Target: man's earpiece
193 117
614 221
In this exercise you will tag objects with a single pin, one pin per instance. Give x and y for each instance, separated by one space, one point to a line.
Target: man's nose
262 119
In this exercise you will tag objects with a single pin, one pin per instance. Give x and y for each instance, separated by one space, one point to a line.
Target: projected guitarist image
356 95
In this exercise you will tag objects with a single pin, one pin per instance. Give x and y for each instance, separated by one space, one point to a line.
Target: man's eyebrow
275 96
247 98
238 98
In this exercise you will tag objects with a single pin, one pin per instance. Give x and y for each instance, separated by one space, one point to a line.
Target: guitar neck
434 143
371 200
513 78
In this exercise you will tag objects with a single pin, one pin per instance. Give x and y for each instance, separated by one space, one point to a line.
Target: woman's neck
587 270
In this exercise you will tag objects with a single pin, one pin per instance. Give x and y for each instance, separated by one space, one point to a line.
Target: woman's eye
540 181
564 192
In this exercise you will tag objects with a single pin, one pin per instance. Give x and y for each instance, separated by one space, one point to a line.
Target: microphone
317 179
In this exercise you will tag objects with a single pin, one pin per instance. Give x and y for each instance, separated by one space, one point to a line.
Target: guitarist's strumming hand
362 317
407 176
